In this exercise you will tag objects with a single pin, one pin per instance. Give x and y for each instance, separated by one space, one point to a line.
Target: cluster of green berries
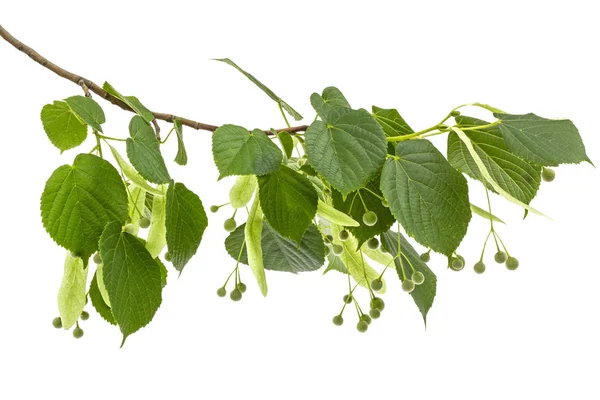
236 293
77 332
502 258
364 320
417 278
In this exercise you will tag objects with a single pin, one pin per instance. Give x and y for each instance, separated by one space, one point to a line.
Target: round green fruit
337 249
377 284
229 225
97 258
235 295
85 315
373 243
500 257
344 235
548 174
168 257
377 303
221 292
408 286
362 326
214 209
77 333
479 267
57 323
418 278
366 318
347 298
374 313
457 264
369 218
338 320
144 223
241 287
425 257
512 263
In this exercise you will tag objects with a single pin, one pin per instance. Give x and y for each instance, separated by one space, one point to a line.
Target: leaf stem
287 123
110 138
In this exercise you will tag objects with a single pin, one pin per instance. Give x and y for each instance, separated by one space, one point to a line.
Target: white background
527 334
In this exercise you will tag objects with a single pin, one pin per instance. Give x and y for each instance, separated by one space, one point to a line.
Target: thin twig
94 88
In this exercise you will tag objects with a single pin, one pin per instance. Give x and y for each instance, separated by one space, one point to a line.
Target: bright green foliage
63 127
132 278
87 110
79 200
542 141
132 174
181 158
335 216
253 239
239 152
186 222
157 235
265 89
131 101
427 196
357 265
548 174
288 201
99 303
72 292
335 263
512 263
286 142
143 150
331 104
347 147
485 214
391 121
516 176
242 191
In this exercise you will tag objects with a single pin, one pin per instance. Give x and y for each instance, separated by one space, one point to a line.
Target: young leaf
335 264
265 89
286 142
98 302
131 101
132 278
486 215
424 294
63 128
288 201
391 121
355 204
542 141
335 216
253 235
348 150
87 110
427 195
157 234
186 222
239 152
242 191
181 158
279 253
357 265
72 295
143 150
79 200
331 104
101 286
132 174
518 177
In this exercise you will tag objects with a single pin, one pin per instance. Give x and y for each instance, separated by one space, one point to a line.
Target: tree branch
89 86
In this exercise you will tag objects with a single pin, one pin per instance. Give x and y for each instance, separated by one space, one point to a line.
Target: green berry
343 235
77 332
235 295
337 249
241 287
338 320
168 257
455 113
512 263
328 238
548 174
408 285
144 223
214 209
362 326
369 218
384 202
500 257
327 251
347 298
221 292
97 258
479 267
377 284
425 257
457 264
373 243
377 303
57 323
229 225
418 277
130 228
366 318
85 315
374 313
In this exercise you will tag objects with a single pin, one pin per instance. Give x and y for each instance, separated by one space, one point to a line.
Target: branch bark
90 86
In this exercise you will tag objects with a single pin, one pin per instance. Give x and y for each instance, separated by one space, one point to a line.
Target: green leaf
330 105
79 200
181 158
63 128
265 89
288 201
515 175
253 235
136 198
424 294
131 101
98 302
335 264
143 150
132 278
239 152
335 216
157 234
355 203
101 286
542 141
357 265
347 151
72 292
279 253
286 142
87 110
486 215
132 174
392 123
242 191
186 222
427 195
